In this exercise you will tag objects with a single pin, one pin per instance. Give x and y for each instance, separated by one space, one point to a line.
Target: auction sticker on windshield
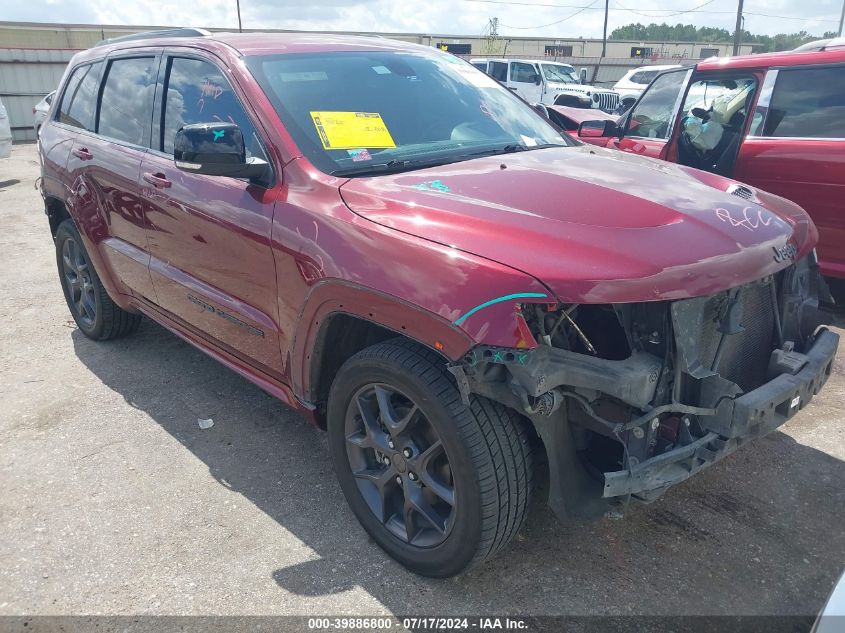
352 130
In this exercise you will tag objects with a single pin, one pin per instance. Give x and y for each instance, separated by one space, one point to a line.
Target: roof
768 60
257 43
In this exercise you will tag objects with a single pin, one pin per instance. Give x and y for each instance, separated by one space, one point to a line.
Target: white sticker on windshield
529 142
304 76
382 70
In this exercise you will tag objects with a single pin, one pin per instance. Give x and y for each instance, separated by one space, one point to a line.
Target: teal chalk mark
518 295
432 185
522 358
218 134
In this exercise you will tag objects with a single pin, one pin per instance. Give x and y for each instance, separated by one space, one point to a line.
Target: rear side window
643 77
809 103
197 92
126 107
79 100
499 71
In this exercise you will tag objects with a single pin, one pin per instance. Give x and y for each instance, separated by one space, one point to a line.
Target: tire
97 316
484 455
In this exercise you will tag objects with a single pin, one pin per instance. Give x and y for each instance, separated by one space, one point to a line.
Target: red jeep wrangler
390 242
775 121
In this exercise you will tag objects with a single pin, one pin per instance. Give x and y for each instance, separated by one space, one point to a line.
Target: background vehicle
632 84
39 111
550 83
773 121
570 118
5 132
300 214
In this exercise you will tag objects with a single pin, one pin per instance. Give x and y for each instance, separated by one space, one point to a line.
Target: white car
636 80
40 110
549 83
5 132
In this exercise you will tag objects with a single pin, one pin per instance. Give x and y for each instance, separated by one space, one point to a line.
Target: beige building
33 56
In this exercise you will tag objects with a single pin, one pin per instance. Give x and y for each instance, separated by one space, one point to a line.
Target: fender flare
333 296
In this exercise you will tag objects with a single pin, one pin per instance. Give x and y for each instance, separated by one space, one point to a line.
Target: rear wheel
97 316
437 484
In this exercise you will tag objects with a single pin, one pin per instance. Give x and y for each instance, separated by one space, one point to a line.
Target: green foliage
691 33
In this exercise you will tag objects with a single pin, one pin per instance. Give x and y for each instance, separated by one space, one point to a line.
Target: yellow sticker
352 130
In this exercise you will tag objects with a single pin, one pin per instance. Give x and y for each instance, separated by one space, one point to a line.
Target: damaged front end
632 398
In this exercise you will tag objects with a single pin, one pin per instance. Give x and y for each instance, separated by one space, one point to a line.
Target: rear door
209 236
522 79
796 149
104 164
650 123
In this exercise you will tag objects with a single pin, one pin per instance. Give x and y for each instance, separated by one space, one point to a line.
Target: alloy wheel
400 465
76 274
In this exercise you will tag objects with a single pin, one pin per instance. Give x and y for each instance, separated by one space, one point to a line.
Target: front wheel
439 485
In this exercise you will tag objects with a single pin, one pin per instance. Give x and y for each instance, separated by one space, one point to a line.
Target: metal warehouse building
33 56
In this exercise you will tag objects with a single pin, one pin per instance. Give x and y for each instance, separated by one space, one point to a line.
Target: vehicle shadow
759 533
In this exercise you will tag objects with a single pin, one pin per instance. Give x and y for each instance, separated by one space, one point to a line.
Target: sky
546 18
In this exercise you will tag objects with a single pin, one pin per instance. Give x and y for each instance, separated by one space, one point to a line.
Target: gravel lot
113 501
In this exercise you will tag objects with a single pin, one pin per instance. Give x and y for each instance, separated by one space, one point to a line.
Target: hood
554 85
594 225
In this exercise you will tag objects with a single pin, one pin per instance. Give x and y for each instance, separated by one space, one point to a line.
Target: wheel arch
340 318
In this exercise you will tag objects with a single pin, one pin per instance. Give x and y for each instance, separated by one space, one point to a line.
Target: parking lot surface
114 501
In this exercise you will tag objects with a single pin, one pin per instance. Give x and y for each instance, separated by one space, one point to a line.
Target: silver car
40 110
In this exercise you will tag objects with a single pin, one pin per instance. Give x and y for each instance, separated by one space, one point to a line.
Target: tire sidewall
67 230
459 548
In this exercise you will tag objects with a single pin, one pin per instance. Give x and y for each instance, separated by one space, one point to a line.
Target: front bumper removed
739 420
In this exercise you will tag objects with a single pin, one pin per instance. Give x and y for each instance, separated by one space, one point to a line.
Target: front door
649 125
209 236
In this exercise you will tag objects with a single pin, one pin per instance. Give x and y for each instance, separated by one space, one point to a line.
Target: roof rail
146 35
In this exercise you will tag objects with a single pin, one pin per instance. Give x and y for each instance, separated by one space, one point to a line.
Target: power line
618 7
542 26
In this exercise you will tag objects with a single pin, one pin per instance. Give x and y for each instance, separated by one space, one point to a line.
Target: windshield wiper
512 148
390 167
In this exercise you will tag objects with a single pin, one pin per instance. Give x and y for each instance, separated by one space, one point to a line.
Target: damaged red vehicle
393 244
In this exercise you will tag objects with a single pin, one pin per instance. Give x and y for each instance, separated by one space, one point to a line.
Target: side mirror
583 76
598 129
541 108
537 79
215 149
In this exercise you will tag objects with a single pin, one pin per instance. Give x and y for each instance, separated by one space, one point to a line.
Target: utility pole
603 42
842 18
738 31
240 29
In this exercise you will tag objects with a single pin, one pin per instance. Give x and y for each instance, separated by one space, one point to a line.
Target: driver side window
652 116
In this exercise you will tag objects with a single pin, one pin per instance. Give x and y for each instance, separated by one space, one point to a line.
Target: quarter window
809 103
197 92
126 106
79 100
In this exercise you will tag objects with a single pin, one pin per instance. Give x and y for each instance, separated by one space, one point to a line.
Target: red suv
774 121
390 242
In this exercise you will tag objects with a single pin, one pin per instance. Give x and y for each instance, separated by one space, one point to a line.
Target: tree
690 33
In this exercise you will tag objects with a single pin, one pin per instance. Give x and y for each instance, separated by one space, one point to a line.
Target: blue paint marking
432 185
218 134
518 295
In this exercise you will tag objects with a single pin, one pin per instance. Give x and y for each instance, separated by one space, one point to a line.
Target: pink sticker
359 154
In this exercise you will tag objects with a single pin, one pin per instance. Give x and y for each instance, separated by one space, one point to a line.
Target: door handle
82 152
159 180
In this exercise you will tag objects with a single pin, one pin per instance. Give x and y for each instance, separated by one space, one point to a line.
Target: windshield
377 111
560 73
